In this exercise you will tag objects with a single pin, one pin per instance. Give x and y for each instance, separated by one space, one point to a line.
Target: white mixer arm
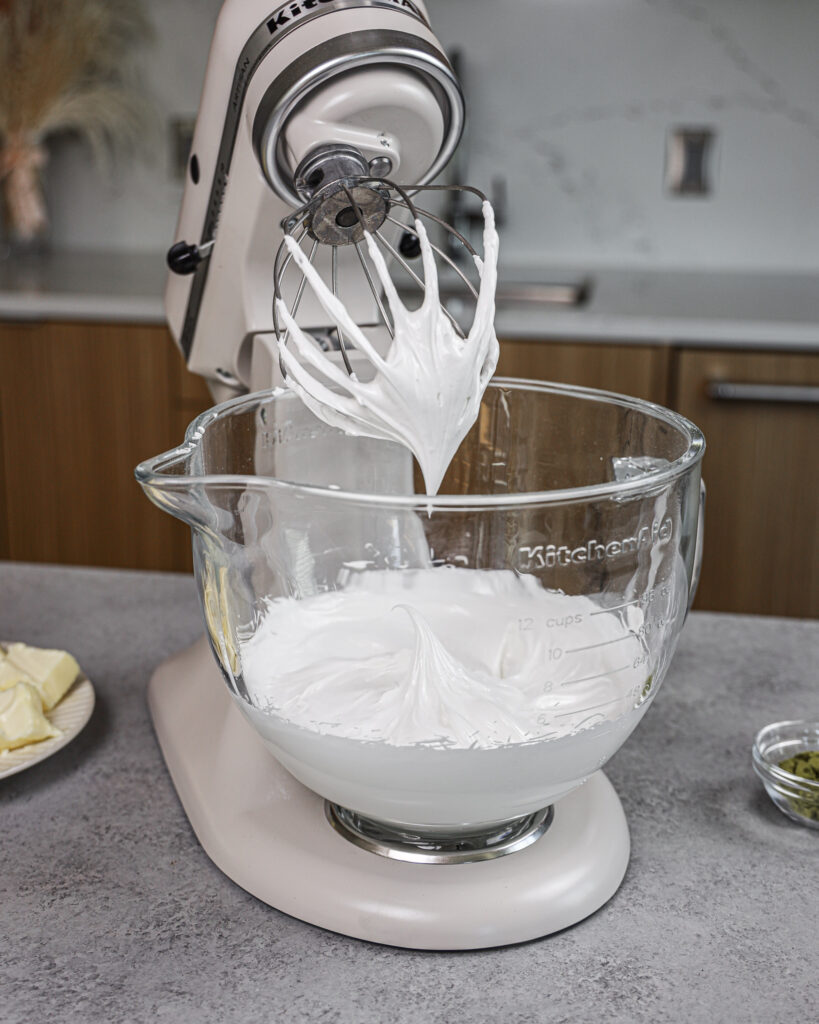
282 80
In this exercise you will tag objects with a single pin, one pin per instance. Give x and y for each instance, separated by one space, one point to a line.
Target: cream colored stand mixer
587 501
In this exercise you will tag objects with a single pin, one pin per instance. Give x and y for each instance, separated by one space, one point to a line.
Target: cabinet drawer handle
733 391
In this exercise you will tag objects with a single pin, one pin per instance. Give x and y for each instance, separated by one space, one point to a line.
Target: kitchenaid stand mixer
416 847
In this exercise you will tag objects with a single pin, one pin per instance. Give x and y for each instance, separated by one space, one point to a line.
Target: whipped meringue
443 657
427 390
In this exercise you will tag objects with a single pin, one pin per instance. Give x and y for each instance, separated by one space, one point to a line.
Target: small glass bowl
794 796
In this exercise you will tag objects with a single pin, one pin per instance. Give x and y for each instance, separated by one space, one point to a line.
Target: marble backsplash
571 102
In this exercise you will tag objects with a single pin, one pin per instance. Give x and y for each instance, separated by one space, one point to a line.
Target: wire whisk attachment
412 374
329 233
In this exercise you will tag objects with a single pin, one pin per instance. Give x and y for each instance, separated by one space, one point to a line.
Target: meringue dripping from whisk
427 389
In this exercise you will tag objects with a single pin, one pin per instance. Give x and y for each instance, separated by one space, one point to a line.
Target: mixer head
336 88
345 203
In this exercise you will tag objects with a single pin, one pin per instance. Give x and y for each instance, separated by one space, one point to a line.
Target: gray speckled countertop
111 912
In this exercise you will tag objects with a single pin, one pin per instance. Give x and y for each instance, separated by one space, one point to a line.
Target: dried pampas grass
65 65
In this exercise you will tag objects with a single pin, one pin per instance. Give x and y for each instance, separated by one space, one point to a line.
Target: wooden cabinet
761 466
80 406
761 469
639 370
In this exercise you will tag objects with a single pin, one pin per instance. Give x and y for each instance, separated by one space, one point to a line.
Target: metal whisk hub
339 208
344 215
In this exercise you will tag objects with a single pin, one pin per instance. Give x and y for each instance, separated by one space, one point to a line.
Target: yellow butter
51 672
10 675
21 718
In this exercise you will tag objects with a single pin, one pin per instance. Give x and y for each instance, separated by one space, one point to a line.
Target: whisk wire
438 220
472 289
396 255
376 295
278 274
342 344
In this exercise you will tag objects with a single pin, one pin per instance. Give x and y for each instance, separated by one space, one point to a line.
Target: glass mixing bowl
450 664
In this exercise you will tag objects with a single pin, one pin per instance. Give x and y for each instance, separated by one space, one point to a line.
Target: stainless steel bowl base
498 840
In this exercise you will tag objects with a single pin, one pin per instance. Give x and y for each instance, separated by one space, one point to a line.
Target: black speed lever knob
184 258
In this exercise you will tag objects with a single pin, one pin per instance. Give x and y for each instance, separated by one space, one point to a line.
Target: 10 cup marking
648 601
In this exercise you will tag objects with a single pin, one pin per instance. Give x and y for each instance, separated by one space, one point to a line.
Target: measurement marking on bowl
604 643
647 598
598 675
595 707
617 607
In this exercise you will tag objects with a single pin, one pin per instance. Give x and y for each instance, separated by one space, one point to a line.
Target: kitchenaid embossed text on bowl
436 666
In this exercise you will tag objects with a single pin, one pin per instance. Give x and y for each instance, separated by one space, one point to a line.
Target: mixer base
270 835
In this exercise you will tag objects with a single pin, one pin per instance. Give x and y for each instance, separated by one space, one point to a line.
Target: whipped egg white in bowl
441 664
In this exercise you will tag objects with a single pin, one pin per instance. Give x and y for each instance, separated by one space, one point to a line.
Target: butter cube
21 718
51 672
10 675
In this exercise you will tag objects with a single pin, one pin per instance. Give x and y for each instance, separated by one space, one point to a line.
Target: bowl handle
695 574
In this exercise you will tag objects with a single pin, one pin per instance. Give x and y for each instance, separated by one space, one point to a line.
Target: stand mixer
572 517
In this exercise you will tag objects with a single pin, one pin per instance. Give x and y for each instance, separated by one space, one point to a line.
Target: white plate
69 716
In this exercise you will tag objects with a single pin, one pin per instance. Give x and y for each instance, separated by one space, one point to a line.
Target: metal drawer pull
732 391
